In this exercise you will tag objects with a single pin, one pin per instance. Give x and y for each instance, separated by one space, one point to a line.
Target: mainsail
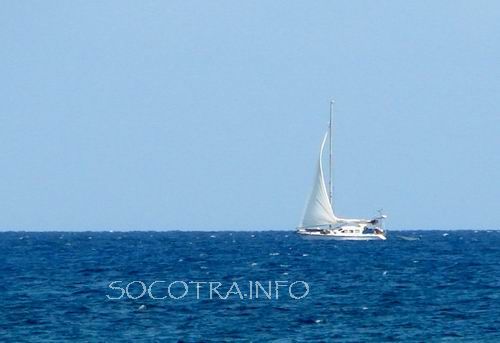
318 210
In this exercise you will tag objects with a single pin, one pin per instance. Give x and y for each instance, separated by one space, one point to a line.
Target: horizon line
111 230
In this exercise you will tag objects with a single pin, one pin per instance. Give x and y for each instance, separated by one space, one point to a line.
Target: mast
330 183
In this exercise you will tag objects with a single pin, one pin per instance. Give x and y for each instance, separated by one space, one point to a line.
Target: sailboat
319 219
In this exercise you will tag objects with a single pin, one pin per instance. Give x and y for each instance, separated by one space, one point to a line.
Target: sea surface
418 286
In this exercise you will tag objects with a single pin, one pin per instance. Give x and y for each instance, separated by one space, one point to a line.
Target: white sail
318 210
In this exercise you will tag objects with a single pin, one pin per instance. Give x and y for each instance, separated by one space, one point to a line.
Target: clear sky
209 114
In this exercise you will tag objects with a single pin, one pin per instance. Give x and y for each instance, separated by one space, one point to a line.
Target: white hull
335 234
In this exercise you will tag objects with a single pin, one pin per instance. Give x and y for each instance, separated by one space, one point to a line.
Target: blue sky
208 115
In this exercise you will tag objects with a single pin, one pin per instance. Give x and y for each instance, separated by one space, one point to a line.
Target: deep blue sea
418 286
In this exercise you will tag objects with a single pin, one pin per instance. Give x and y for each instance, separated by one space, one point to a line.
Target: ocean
418 286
